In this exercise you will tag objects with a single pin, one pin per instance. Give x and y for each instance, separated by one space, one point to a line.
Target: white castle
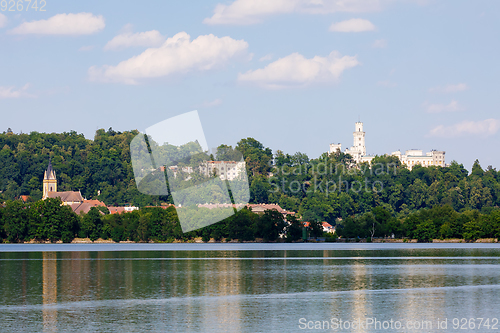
229 170
411 158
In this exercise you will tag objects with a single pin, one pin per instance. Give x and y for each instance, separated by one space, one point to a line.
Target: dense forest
442 201
48 220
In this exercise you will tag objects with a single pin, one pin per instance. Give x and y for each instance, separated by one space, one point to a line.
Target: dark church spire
50 173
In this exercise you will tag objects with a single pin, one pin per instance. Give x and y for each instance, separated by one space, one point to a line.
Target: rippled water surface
249 287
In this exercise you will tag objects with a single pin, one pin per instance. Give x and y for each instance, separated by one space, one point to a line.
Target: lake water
250 287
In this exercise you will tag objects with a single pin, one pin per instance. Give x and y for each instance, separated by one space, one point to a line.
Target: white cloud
151 38
11 92
295 70
215 102
380 44
450 88
482 128
386 83
242 12
267 57
352 25
3 20
129 27
437 108
62 24
177 54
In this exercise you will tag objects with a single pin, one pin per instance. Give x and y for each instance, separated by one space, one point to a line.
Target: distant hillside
322 189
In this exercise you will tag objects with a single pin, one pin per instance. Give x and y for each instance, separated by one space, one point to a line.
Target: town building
73 199
120 210
255 208
327 227
226 170
261 208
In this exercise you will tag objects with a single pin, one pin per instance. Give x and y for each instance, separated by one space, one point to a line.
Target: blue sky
293 74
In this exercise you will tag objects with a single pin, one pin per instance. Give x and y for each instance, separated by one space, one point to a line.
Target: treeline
440 222
332 187
321 189
100 168
49 220
102 164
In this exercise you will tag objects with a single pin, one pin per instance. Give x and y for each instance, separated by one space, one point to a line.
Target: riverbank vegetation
381 199
48 220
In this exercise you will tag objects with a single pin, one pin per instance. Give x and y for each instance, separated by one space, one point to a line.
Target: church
69 198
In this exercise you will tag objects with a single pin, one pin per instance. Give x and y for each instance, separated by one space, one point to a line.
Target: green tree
293 229
425 231
91 224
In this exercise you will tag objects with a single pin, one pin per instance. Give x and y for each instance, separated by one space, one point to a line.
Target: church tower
359 139
49 181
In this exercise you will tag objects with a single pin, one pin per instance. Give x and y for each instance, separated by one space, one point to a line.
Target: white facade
224 169
414 157
358 149
411 157
334 147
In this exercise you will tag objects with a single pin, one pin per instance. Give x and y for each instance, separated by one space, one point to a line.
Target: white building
414 157
224 169
358 149
229 170
411 157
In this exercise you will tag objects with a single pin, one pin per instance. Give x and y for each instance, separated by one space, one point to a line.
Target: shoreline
198 240
222 247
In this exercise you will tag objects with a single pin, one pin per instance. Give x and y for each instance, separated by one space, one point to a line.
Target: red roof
95 203
116 210
263 207
82 207
162 206
67 196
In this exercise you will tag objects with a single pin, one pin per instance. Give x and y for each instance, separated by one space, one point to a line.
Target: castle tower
334 147
49 181
359 139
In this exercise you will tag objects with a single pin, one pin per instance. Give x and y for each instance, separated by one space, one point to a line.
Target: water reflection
238 291
49 293
360 306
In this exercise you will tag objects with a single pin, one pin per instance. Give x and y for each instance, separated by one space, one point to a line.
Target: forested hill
322 189
80 164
